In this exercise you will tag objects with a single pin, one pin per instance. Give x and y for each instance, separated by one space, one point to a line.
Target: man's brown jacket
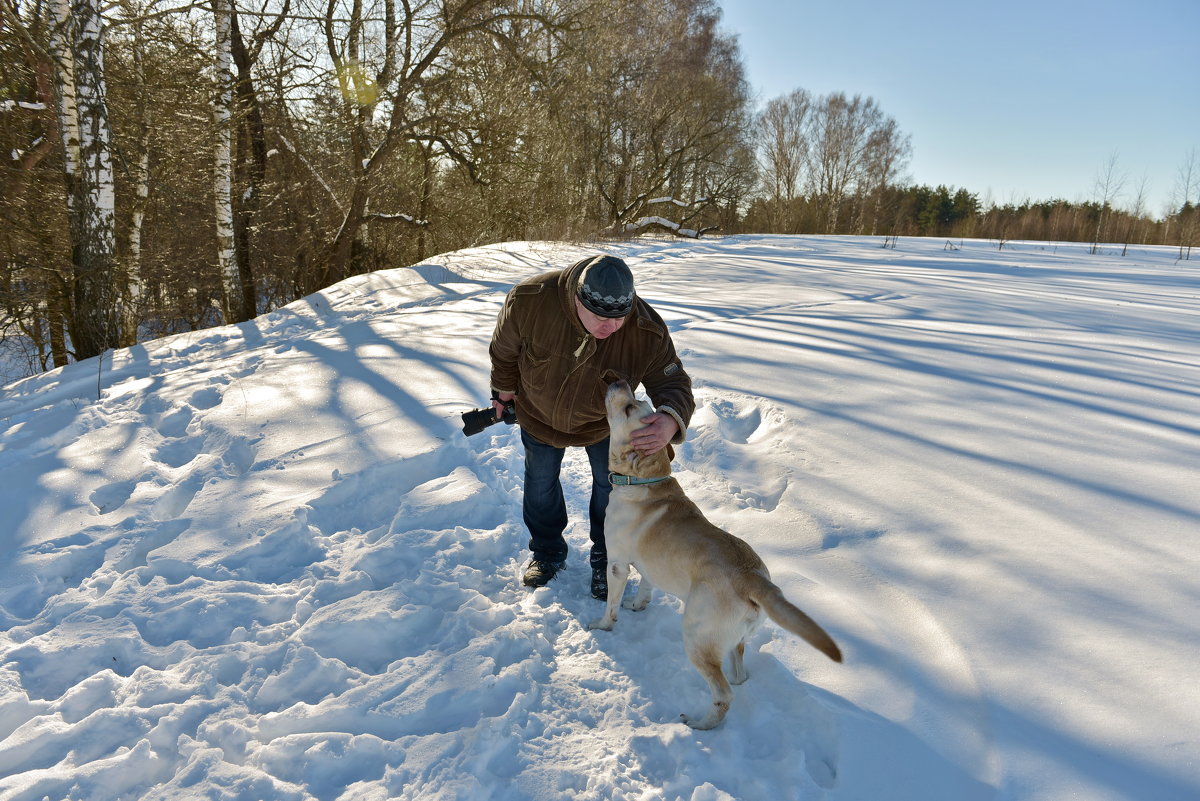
559 372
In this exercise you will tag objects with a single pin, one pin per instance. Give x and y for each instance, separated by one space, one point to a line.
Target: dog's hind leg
642 599
737 664
707 660
737 654
706 654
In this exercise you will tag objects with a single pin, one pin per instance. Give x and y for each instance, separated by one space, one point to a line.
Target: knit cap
606 287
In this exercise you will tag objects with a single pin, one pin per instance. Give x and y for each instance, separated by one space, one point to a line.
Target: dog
653 526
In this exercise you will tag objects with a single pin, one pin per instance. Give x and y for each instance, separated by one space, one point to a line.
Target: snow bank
262 562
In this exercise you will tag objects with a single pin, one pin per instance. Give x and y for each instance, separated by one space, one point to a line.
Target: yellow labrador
653 526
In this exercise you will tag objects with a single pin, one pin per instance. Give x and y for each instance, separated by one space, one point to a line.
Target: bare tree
1184 198
886 154
1110 182
35 287
134 13
250 151
387 61
780 135
1137 214
656 108
842 131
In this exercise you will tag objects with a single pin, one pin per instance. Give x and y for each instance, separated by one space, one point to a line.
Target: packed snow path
263 563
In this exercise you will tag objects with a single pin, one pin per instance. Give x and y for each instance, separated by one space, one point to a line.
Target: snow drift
261 561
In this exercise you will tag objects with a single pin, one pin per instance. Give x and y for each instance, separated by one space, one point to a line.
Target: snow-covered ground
262 562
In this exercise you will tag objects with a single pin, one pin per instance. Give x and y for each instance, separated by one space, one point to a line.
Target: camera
478 419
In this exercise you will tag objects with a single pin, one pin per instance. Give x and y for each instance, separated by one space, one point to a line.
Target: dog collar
618 480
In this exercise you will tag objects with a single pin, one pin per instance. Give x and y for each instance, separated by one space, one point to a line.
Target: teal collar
618 480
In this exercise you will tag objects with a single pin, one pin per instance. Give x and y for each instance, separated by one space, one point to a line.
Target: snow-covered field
262 562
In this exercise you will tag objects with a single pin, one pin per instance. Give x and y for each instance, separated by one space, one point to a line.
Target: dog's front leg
618 574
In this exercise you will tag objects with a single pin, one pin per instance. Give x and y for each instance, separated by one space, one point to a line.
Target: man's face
597 326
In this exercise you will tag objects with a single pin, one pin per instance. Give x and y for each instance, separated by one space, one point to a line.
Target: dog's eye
630 407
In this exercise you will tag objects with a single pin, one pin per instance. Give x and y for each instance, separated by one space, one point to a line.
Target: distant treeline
955 213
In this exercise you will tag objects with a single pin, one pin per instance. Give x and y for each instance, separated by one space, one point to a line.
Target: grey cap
606 287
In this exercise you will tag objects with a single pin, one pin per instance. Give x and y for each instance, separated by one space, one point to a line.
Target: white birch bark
223 160
83 115
62 50
95 136
141 182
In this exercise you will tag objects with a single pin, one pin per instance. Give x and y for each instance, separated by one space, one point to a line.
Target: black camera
478 419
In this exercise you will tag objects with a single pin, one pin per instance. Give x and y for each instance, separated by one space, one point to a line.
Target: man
560 340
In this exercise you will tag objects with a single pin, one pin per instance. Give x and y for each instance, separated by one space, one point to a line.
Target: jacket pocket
534 367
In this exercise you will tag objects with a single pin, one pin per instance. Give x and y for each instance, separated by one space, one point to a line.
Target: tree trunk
56 321
83 112
249 168
223 165
342 263
426 199
140 173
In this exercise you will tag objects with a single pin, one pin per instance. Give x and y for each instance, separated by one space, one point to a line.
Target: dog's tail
764 593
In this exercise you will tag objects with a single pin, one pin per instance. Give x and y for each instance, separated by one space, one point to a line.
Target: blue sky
1011 100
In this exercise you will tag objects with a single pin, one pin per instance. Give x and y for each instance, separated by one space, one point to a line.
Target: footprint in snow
206 398
111 497
176 500
174 424
735 422
178 452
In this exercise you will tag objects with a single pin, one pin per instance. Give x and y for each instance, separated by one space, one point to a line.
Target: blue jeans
543 505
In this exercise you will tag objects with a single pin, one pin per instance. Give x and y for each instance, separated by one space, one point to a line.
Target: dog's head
625 413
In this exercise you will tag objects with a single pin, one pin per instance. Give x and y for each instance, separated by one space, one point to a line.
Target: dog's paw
709 720
602 623
635 604
705 722
702 724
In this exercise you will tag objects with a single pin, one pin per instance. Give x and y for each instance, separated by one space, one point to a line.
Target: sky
263 562
1028 99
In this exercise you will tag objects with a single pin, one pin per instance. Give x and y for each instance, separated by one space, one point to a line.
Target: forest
170 166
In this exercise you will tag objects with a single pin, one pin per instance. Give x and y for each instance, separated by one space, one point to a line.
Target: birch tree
782 147
1109 185
886 155
232 305
1135 220
1186 196
139 168
95 317
841 136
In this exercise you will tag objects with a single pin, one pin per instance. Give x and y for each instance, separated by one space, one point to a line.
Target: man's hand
498 403
659 430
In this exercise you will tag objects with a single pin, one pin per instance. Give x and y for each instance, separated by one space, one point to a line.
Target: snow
262 562
645 222
13 105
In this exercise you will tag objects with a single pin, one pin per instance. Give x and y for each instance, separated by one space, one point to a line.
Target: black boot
539 572
600 582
